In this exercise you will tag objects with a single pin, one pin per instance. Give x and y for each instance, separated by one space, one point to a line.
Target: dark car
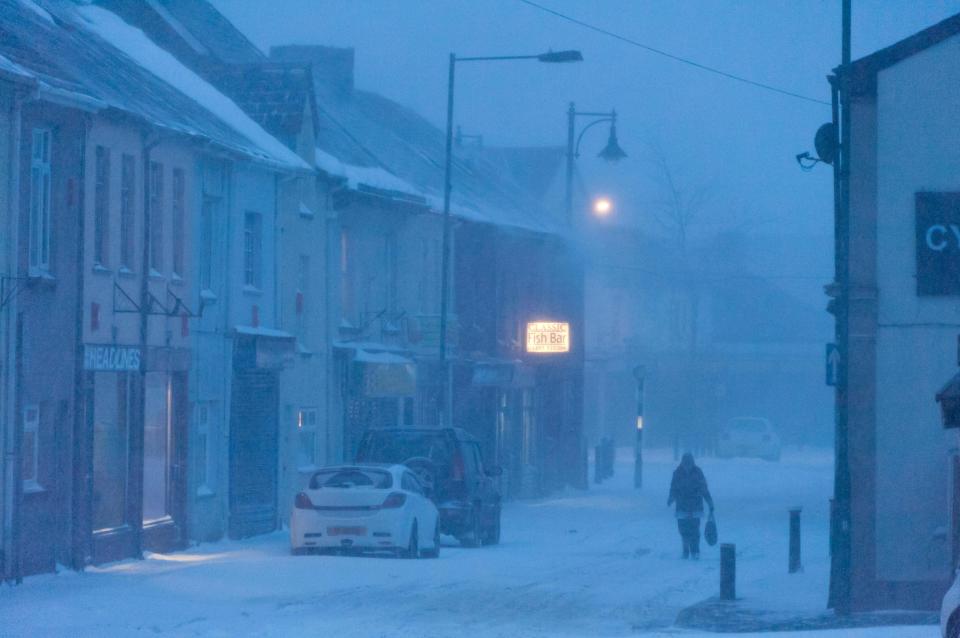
451 466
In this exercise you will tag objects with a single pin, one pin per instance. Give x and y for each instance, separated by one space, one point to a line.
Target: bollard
794 563
728 571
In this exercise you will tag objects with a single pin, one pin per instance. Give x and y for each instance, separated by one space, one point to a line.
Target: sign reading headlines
111 358
548 337
938 244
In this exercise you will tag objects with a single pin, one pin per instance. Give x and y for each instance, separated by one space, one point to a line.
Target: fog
616 354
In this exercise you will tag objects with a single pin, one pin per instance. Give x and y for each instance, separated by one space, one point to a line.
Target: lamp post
611 152
550 56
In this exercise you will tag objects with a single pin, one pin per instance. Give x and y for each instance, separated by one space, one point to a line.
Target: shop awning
266 348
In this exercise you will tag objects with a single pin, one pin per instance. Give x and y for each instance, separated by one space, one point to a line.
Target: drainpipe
11 460
82 458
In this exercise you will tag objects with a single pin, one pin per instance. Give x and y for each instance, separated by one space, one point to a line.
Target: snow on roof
9 66
263 332
40 11
135 44
372 176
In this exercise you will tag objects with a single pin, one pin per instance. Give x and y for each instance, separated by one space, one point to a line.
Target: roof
89 56
364 130
212 30
275 95
865 69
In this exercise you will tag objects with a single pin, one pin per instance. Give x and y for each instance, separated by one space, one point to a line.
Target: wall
918 149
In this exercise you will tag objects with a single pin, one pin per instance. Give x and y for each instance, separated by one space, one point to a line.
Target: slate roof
224 41
365 129
67 59
865 69
276 95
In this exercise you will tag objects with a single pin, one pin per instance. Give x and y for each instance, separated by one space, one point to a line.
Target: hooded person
688 490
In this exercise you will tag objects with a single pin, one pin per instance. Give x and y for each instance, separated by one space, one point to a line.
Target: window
303 293
156 446
40 201
204 459
30 447
179 221
346 280
252 244
156 218
306 437
101 208
127 208
390 266
111 447
207 220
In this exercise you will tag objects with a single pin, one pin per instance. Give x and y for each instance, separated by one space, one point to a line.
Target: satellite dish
825 142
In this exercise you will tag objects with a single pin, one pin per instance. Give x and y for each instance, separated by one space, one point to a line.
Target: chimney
332 66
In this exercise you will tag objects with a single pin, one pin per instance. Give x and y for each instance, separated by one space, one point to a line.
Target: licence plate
346 531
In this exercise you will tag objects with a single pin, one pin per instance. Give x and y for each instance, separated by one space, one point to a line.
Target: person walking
688 490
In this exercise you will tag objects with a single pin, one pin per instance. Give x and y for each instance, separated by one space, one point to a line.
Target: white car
748 436
950 610
365 507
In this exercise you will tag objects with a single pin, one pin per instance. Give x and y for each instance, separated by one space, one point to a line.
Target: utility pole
840 532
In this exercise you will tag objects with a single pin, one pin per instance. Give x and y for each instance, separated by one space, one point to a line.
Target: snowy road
601 563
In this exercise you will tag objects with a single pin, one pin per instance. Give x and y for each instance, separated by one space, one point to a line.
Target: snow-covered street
601 563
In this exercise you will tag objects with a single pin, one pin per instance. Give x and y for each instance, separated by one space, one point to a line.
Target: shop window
127 208
306 437
101 208
110 449
40 202
252 247
156 218
156 447
30 447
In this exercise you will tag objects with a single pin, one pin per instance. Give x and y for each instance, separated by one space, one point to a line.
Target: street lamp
602 206
611 152
549 57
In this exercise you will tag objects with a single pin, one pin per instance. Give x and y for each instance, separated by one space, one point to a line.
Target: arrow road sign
833 364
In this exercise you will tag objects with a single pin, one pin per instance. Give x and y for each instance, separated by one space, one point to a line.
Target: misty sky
734 141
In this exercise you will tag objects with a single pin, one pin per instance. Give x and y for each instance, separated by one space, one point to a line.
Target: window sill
123 271
205 492
32 487
39 273
156 276
208 297
176 279
253 291
100 269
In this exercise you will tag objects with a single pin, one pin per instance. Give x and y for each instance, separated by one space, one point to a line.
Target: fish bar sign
548 337
938 244
111 358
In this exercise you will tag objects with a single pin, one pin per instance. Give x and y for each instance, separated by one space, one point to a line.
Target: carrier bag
710 531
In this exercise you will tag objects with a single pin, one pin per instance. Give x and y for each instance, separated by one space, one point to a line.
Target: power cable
676 58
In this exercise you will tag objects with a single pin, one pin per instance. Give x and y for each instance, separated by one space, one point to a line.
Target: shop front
135 416
379 392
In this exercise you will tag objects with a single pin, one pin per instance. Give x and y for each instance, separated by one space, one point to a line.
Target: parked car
451 466
365 508
950 610
748 436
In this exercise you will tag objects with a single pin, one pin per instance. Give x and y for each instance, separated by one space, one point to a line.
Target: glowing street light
602 206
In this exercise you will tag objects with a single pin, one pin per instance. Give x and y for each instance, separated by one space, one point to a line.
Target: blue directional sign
833 364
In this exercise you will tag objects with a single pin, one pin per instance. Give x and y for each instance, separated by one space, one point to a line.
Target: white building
904 318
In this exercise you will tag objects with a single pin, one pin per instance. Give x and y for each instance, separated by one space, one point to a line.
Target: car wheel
492 533
413 549
953 626
472 533
435 551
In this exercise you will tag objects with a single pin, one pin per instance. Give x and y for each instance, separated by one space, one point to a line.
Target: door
253 453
